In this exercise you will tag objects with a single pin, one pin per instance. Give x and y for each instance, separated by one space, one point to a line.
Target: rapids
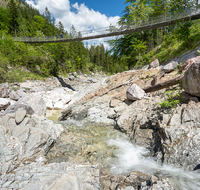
110 148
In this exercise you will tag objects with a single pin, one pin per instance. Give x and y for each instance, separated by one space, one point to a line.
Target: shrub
171 99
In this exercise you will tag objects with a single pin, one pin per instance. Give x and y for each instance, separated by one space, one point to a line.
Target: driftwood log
163 85
124 84
153 88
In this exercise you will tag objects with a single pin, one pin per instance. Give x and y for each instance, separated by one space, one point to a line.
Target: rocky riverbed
102 140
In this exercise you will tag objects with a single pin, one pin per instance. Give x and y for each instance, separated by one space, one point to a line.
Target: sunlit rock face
191 80
134 92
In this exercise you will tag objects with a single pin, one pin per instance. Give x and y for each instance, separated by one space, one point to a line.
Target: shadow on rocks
64 84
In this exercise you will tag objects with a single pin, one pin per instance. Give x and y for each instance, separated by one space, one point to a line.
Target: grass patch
19 74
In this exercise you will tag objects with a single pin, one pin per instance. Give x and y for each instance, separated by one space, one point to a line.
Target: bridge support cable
153 23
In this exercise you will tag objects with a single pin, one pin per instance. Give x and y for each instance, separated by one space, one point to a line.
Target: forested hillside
17 18
163 43
20 61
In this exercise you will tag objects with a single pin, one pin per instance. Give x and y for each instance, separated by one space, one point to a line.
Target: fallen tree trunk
163 85
124 84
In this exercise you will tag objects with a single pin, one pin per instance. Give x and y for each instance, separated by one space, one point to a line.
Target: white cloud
80 16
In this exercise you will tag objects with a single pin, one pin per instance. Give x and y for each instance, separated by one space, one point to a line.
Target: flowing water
134 158
108 147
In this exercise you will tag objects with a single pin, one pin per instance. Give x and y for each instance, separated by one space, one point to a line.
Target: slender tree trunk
15 31
164 20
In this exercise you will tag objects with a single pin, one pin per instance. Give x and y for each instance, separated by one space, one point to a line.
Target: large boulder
4 103
35 102
191 79
190 62
134 92
18 107
21 93
170 66
154 64
14 96
4 92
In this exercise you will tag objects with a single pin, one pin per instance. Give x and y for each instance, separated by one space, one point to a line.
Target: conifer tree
13 13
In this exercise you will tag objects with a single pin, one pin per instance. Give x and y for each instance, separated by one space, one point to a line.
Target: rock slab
19 116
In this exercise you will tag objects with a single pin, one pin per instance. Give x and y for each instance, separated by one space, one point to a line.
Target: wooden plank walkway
149 26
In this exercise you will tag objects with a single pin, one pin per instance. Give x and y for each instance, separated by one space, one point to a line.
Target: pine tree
13 13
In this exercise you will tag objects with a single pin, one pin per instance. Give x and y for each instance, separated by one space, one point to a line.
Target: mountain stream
107 147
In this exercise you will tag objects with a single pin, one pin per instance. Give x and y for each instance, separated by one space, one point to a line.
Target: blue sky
83 14
108 7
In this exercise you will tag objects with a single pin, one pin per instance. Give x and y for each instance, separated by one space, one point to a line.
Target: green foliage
183 33
136 49
140 48
171 99
13 14
4 19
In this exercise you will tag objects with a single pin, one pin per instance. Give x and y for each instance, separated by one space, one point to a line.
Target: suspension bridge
151 23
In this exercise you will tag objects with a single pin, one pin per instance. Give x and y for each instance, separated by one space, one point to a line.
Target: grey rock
36 103
154 64
22 132
170 66
71 78
36 140
91 80
191 80
18 107
190 62
19 116
9 121
143 137
129 188
4 92
131 181
175 120
115 102
145 67
21 93
4 103
14 96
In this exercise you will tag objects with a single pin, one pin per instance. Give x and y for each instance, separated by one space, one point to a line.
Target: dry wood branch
120 85
163 85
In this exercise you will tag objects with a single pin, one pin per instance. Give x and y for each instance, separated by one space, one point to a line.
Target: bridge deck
106 32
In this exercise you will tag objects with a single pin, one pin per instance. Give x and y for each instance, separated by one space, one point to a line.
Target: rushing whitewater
110 148
130 157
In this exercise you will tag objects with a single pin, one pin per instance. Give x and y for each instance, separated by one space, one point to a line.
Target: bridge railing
112 29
